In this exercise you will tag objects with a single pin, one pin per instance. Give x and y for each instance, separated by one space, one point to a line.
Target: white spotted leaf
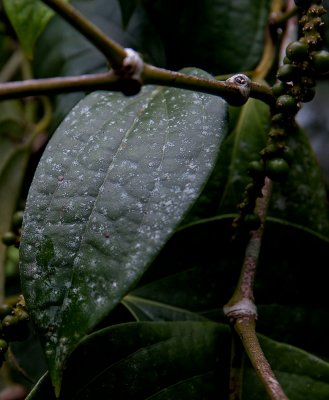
116 179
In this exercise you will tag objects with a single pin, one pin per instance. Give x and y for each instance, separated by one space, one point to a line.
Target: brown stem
159 76
112 50
34 87
111 81
245 327
244 289
241 310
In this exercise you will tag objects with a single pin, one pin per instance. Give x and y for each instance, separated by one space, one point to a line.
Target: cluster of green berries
13 237
303 62
13 325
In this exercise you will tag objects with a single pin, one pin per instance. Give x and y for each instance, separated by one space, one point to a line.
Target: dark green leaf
196 272
127 9
144 309
302 198
205 33
62 51
182 360
115 180
29 18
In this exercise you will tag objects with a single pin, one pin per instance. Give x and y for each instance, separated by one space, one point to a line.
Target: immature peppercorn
297 51
277 169
287 73
256 169
287 104
3 346
9 238
320 61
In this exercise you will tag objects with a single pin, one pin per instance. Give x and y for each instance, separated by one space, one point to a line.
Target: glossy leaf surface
113 183
182 360
196 272
205 33
29 18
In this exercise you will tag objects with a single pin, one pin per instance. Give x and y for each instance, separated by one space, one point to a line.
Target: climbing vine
164 215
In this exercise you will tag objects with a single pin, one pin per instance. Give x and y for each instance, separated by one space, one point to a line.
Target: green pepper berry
320 61
5 309
256 169
277 169
9 320
270 151
286 60
252 222
17 219
287 104
287 73
9 238
279 89
297 51
3 346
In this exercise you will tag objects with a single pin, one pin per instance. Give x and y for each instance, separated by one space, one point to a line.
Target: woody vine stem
128 73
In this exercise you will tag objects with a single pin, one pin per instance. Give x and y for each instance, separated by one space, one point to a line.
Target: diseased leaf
113 183
181 360
224 189
29 18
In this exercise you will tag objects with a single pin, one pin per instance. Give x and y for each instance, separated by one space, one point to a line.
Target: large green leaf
115 180
182 360
196 272
29 18
205 33
225 187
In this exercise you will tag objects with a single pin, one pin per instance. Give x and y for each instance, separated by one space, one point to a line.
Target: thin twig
49 86
159 76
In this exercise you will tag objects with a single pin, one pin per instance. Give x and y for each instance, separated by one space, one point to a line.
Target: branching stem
113 80
110 81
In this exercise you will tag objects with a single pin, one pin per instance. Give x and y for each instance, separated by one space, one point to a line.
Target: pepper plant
167 165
